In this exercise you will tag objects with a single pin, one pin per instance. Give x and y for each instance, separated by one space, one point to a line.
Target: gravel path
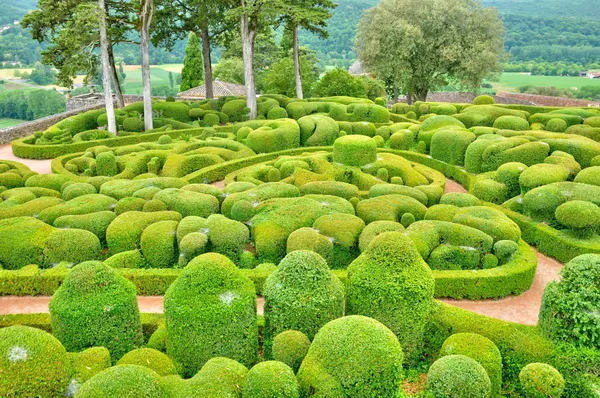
39 166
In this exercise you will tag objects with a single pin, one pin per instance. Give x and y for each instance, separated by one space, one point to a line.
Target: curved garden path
39 166
521 309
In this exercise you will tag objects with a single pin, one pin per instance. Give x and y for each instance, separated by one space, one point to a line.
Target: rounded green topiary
511 123
124 381
192 245
33 363
242 210
481 349
77 189
165 139
458 376
72 246
291 347
374 229
354 150
568 311
133 124
484 100
211 119
540 380
154 205
309 239
582 217
489 261
159 245
277 113
407 219
219 377
556 125
302 294
504 250
106 164
150 358
353 356
210 310
270 379
390 282
95 306
459 199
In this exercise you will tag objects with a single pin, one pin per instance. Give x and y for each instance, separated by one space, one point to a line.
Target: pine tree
171 80
193 70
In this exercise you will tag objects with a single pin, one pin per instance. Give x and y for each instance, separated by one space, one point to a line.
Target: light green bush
150 358
270 379
291 347
458 376
540 380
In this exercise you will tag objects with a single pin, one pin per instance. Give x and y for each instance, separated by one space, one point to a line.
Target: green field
512 81
10 122
159 76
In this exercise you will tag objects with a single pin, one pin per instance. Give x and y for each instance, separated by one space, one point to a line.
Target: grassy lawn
159 76
10 122
512 81
9 73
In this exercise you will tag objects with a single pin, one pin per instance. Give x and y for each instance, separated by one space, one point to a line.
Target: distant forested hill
14 10
548 8
337 49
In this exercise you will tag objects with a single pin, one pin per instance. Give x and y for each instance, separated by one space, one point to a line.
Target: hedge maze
335 211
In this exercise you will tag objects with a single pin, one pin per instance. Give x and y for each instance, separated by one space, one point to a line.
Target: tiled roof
220 89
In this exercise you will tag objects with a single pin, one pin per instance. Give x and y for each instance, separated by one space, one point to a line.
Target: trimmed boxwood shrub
353 356
159 244
540 380
484 100
511 123
270 379
290 347
568 311
95 306
219 377
210 310
124 381
458 376
390 282
582 217
150 358
481 349
590 175
374 229
87 364
77 189
33 363
354 150
300 295
72 246
542 174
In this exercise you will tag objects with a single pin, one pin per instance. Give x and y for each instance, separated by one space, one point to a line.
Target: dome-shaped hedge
150 358
354 150
540 380
290 347
95 306
302 294
390 282
569 306
32 363
481 349
270 379
210 311
124 381
484 100
353 356
458 376
219 377
582 217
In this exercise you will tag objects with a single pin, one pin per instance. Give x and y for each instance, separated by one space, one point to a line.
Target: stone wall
543 100
23 130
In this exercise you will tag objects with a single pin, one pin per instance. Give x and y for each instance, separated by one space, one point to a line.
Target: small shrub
458 376
354 150
353 356
540 380
291 347
582 217
124 381
484 100
133 124
150 358
270 379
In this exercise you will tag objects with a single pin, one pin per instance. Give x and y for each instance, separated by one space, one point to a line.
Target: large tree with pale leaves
422 45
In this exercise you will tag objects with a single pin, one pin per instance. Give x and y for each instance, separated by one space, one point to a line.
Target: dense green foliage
458 376
30 105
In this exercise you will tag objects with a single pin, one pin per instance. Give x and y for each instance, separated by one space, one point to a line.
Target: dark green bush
210 311
300 295
353 356
481 349
291 347
458 376
133 124
270 379
33 363
582 217
540 380
96 307
374 289
568 307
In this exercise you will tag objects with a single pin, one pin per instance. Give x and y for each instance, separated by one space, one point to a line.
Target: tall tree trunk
248 33
409 97
297 63
110 107
115 77
146 20
395 99
422 95
208 79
